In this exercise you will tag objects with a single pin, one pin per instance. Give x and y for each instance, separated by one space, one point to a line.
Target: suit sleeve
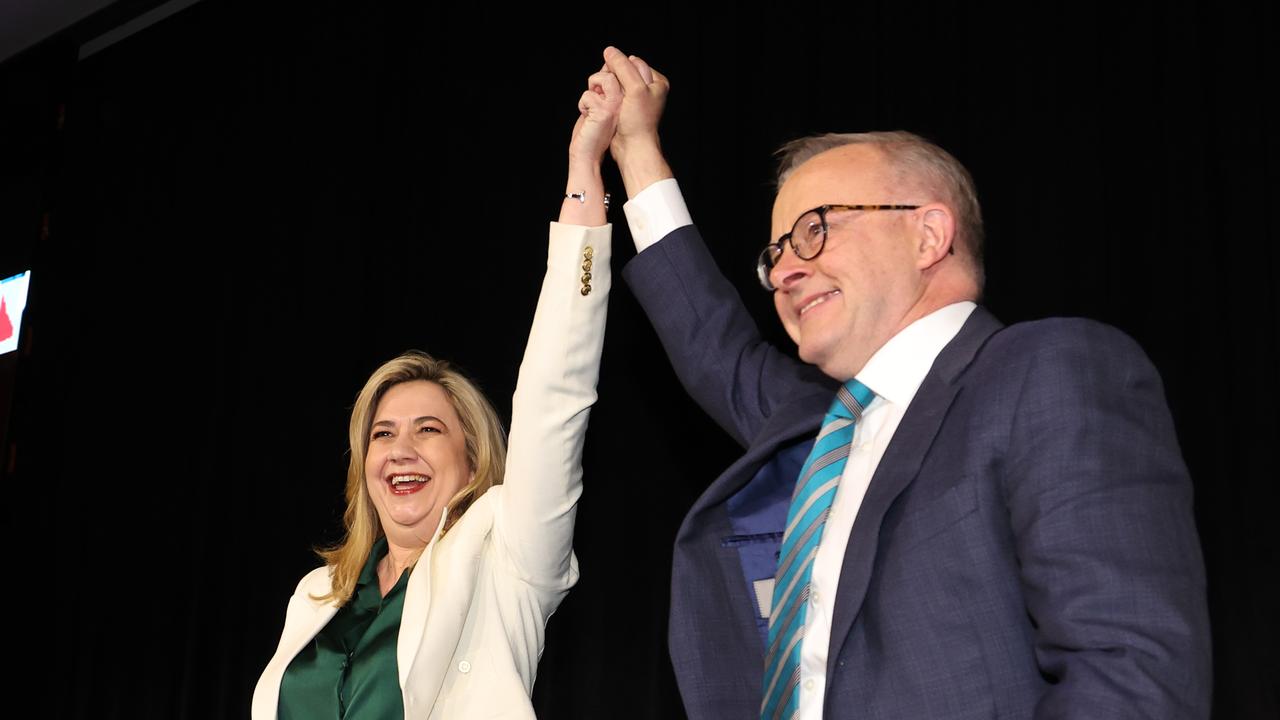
1101 509
554 394
710 338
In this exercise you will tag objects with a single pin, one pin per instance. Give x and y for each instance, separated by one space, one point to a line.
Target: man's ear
936 230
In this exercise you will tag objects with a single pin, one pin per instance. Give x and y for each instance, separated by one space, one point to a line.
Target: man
1007 526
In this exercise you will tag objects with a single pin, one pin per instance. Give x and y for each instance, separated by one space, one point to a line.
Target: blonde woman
458 549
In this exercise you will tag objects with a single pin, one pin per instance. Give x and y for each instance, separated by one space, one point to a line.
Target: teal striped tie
810 505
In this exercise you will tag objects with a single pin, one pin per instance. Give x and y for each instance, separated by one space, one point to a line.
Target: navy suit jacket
1026 547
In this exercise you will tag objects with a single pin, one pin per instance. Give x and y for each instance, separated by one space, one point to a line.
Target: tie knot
852 398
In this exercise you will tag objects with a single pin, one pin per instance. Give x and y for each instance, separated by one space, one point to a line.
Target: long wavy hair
486 445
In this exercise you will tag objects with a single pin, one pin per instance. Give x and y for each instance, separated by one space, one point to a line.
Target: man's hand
636 147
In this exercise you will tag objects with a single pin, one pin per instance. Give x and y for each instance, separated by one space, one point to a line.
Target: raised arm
592 133
712 341
636 146
557 383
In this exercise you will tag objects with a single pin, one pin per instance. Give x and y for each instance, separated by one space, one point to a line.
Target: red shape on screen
6 327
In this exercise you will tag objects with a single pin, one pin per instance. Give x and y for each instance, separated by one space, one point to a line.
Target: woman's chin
407 527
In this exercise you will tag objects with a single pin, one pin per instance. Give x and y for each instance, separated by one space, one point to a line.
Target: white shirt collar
896 370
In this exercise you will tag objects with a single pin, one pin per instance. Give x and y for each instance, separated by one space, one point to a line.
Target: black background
249 208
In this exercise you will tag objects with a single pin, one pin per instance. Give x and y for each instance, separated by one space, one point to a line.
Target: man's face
843 305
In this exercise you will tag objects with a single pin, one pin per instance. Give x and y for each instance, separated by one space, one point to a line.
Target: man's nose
789 269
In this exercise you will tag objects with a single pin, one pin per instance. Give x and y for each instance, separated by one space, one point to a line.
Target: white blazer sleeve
556 388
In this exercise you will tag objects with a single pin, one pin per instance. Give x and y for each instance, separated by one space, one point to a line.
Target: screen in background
13 300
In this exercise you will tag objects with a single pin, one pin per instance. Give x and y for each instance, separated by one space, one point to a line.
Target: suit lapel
437 601
710 594
315 620
708 519
303 620
899 466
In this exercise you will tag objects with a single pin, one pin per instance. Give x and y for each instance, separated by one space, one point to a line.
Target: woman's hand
597 120
592 133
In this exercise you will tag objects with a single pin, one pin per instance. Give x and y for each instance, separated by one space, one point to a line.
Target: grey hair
912 158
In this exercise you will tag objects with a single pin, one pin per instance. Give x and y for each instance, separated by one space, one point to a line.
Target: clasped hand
620 109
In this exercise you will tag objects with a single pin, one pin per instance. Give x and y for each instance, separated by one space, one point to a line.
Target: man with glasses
993 521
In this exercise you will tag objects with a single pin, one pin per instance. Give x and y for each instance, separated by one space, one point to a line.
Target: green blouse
348 672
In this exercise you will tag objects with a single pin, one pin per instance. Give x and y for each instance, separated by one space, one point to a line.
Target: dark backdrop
249 208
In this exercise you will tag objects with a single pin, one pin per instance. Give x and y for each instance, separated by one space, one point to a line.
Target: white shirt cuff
655 211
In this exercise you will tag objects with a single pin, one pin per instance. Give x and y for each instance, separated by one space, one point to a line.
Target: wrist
585 177
585 200
585 207
584 165
641 164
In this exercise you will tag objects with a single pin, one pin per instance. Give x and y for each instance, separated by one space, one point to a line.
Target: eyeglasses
807 237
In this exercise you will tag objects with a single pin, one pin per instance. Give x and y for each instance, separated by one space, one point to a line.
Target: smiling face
416 460
843 305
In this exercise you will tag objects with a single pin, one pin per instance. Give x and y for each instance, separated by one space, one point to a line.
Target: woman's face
416 461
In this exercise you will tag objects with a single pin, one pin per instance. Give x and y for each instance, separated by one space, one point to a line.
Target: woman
435 603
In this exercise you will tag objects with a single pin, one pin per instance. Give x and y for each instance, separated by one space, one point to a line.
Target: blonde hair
486 446
912 158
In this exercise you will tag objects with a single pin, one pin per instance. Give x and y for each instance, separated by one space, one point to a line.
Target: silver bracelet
581 197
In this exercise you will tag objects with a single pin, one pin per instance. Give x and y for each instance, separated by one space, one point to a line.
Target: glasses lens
808 235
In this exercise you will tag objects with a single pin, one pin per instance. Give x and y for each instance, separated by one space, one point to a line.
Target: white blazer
473 626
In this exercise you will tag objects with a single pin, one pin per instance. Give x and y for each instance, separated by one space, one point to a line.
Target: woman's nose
401 448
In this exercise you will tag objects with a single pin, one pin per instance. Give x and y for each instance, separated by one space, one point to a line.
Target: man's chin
814 356
832 364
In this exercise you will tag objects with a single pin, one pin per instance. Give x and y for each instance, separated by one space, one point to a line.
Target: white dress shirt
894 373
